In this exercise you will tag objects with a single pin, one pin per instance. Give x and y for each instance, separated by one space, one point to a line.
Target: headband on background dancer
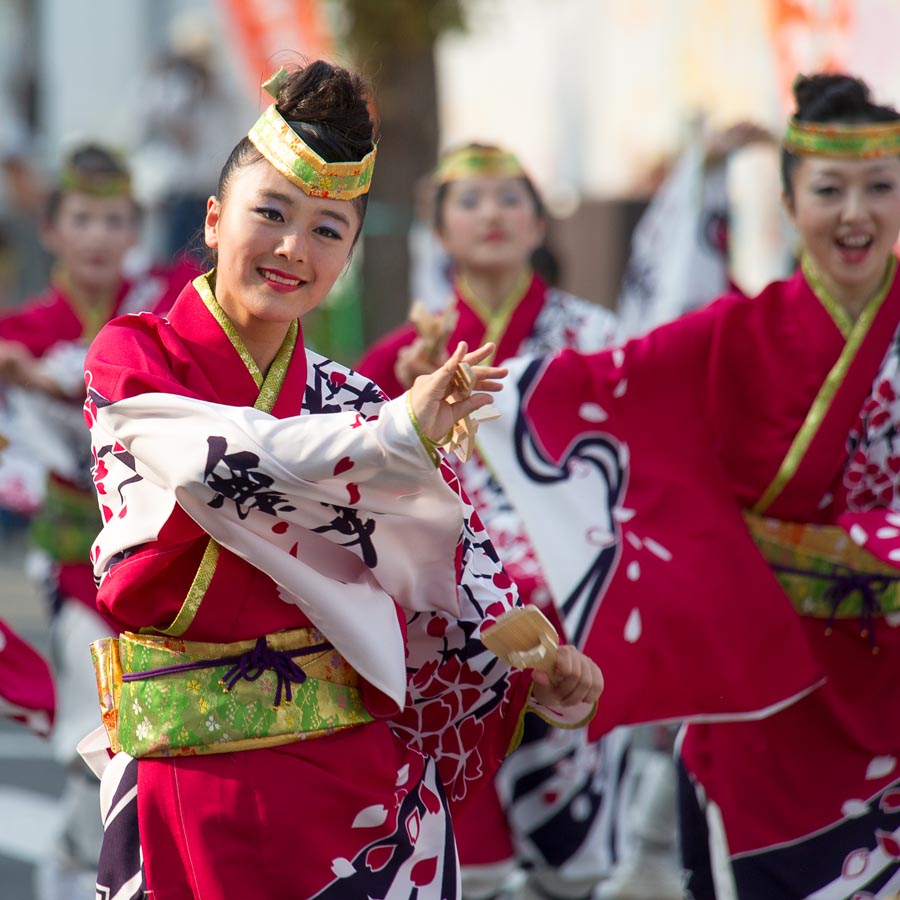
475 161
839 140
76 179
299 163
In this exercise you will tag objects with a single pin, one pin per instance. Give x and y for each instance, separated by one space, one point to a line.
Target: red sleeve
378 361
135 355
40 324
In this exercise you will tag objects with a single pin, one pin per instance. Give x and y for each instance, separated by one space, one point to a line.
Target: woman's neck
494 289
851 301
855 302
85 296
261 339
263 343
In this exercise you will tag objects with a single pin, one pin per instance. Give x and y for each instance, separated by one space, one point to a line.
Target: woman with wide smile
752 586
299 691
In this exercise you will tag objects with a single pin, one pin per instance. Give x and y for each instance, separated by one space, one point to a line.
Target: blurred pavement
30 779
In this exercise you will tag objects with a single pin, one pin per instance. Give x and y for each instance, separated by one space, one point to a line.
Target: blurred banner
269 33
809 36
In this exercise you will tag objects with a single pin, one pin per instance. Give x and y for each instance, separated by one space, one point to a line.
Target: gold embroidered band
302 166
73 180
299 163
168 697
868 140
474 161
823 572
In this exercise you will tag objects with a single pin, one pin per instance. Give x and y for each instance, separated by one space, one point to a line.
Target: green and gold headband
477 162
299 163
868 140
73 180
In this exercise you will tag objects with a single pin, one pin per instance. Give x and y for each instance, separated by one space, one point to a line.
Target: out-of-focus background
597 97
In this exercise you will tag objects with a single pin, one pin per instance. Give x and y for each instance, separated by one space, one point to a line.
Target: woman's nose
292 246
854 207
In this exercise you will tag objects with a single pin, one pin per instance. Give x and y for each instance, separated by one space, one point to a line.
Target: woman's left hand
431 395
576 679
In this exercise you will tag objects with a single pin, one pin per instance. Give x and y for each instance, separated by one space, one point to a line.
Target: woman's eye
329 232
267 212
882 187
825 190
468 201
511 200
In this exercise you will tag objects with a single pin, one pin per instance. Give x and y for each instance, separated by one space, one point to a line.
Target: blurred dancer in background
190 120
553 808
91 223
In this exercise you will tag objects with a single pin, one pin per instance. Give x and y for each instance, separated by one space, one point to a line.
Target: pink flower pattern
872 474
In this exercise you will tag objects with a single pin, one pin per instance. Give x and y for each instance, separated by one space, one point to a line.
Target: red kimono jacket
634 466
362 805
26 685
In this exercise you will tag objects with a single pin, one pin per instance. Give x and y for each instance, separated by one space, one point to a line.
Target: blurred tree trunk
393 44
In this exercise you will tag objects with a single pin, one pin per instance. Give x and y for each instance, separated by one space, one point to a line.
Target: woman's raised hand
575 679
412 362
432 396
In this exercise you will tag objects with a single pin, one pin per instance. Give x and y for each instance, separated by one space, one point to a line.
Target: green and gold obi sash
67 524
162 696
824 573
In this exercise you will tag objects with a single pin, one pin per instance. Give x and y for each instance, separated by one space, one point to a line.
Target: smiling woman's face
279 250
848 214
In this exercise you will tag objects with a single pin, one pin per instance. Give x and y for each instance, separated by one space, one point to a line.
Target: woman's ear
211 223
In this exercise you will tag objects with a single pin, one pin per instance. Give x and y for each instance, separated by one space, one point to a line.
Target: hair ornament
272 85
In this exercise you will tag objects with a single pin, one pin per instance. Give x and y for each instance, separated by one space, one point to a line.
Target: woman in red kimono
299 690
729 488
552 810
90 224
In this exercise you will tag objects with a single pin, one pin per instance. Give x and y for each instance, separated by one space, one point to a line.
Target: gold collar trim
819 409
269 389
496 321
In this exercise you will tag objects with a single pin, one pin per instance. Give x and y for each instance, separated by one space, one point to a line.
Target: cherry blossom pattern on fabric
871 477
455 683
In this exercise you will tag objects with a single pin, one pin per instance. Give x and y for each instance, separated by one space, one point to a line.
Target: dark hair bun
95 160
330 108
826 97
